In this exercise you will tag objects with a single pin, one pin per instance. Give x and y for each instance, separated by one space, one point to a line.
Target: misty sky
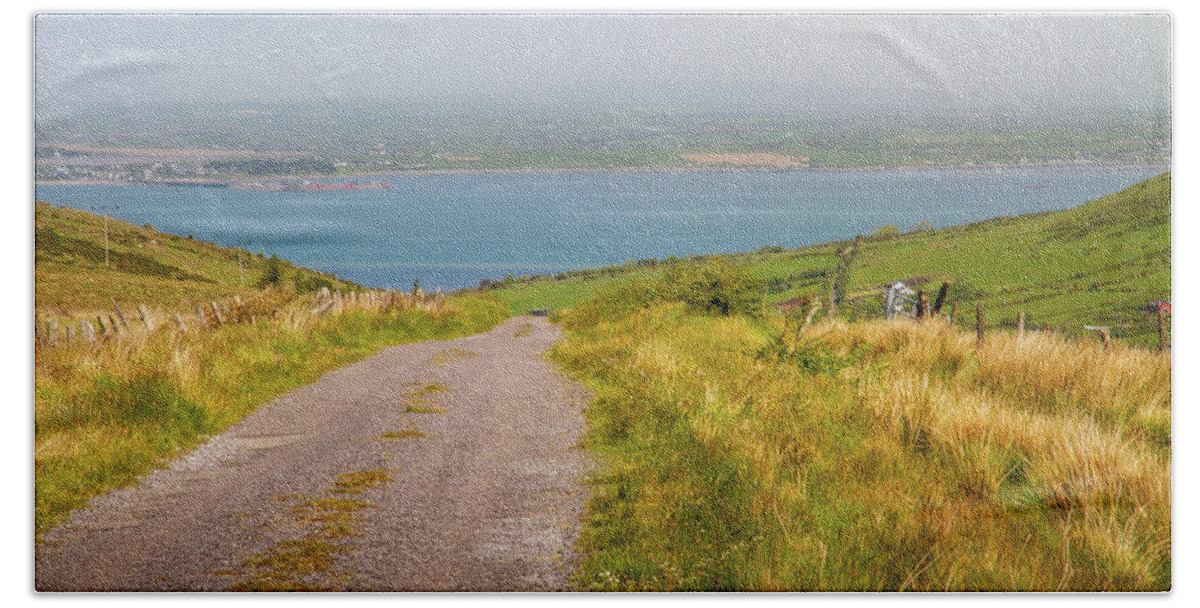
1041 63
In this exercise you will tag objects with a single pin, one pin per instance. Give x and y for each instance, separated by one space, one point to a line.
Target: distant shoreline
591 170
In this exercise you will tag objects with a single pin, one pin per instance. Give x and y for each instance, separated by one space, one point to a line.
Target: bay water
451 231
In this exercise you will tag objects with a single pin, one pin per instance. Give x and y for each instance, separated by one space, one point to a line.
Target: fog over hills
312 77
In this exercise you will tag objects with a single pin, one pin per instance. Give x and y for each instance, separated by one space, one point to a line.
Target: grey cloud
789 62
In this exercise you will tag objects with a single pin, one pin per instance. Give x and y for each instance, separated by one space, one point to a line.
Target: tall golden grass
745 454
108 411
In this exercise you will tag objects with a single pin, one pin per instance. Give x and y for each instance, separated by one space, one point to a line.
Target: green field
1097 264
743 450
143 266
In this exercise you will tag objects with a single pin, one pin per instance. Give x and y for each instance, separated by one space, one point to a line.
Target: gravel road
436 466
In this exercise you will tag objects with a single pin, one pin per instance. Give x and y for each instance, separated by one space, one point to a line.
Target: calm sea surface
454 230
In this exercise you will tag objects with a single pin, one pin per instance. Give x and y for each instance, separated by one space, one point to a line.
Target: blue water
454 230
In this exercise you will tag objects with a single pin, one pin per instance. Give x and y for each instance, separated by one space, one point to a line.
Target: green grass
398 435
747 454
306 563
1096 264
159 270
424 409
357 481
744 452
107 413
550 294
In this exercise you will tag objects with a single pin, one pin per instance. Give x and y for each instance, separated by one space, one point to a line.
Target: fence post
70 334
120 314
816 305
979 324
833 294
88 331
1021 324
1105 339
922 305
200 316
179 321
52 332
116 329
217 314
146 319
100 325
941 297
1162 330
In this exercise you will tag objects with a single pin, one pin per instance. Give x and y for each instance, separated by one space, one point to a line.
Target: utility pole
106 240
104 210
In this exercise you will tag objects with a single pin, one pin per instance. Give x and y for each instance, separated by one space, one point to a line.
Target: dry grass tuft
869 456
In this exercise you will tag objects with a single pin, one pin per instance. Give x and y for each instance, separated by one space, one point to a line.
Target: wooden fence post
200 316
52 332
922 305
941 297
120 313
1162 330
147 320
816 305
217 314
39 335
833 294
1021 324
100 325
979 325
1105 339
116 329
70 334
179 321
88 331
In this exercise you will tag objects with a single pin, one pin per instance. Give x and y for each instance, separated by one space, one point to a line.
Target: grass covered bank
1097 264
742 453
109 412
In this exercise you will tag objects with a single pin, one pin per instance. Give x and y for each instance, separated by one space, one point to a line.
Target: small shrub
273 273
887 232
715 286
311 283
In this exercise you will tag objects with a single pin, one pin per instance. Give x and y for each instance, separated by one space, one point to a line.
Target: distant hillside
144 266
1096 264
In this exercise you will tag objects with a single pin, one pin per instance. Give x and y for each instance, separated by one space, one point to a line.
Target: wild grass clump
754 455
107 412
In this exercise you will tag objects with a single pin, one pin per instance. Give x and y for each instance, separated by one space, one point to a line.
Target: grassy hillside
108 410
745 450
749 453
1096 264
144 266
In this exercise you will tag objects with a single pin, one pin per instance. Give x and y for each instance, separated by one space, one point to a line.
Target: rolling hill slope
144 266
1096 264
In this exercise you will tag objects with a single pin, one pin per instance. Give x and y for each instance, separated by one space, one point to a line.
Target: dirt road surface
437 466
